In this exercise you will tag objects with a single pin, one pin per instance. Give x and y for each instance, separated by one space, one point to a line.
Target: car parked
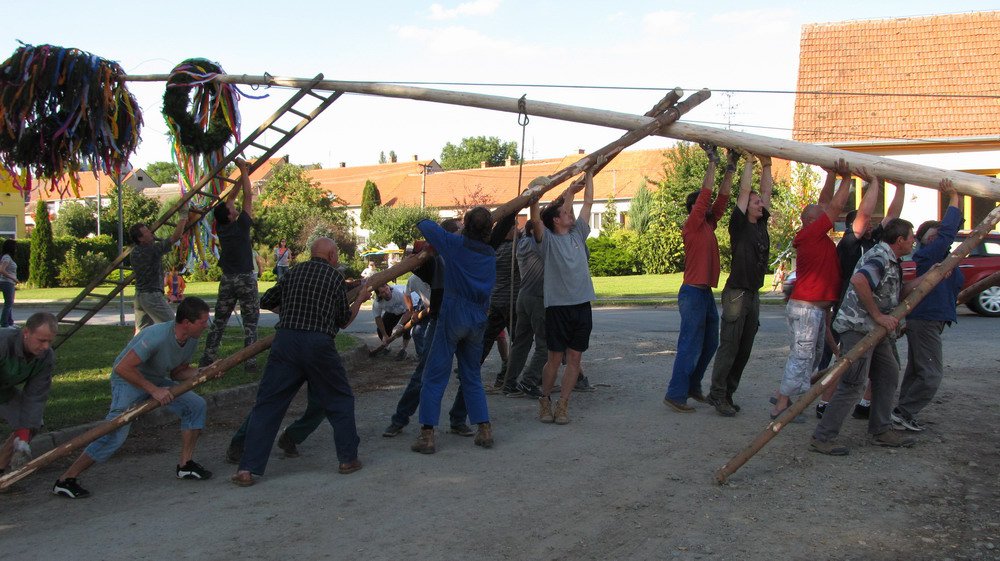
982 261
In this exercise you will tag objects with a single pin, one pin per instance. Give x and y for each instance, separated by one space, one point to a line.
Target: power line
721 90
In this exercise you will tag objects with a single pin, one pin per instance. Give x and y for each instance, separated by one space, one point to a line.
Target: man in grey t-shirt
567 291
150 304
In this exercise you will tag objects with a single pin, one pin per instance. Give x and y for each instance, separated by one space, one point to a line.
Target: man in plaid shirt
311 301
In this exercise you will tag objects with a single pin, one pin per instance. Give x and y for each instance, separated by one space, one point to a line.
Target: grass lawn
81 391
634 286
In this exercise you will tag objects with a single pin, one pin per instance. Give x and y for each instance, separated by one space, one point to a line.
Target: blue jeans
698 340
423 334
7 316
297 357
190 407
459 334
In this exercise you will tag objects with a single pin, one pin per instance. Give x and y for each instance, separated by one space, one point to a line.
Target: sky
620 56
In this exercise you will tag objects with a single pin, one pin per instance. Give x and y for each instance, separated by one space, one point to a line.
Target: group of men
456 309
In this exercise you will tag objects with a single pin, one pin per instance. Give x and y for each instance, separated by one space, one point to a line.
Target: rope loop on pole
522 113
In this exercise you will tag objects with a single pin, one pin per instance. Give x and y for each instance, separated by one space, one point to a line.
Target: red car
982 261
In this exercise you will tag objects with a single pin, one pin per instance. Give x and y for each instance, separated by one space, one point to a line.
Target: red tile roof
946 54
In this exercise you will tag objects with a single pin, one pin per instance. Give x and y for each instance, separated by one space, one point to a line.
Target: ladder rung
260 146
224 178
274 128
316 95
300 114
69 321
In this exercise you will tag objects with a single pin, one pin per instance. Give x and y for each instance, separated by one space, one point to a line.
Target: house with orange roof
11 208
920 89
93 187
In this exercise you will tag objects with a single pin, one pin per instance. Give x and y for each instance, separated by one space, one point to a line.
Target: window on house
595 221
8 227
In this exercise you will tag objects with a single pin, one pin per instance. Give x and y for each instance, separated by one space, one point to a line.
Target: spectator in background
174 285
8 281
282 258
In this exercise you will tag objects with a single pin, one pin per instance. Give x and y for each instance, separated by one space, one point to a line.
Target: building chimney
482 164
343 164
415 158
581 151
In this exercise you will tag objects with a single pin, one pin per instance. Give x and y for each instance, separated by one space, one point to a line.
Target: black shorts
568 327
390 321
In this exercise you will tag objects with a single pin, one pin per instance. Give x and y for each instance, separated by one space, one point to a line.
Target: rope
522 120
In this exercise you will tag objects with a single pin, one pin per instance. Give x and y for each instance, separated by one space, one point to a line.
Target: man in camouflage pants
238 283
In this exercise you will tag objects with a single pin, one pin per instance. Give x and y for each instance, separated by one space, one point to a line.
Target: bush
200 274
80 268
661 251
608 259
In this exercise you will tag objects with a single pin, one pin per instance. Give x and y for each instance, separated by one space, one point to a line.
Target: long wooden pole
929 280
215 370
398 332
892 170
977 287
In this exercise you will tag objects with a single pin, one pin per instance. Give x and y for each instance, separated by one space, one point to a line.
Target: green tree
398 224
162 172
136 208
609 218
381 158
42 269
475 149
392 156
370 198
639 211
787 201
288 201
76 220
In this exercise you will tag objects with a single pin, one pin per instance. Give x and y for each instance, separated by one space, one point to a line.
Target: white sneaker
899 422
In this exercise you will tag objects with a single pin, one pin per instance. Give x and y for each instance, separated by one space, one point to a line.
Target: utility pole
423 185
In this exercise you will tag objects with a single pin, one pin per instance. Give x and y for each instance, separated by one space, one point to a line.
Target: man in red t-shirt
817 287
699 335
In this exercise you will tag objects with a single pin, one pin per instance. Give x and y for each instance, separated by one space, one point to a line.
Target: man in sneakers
699 333
924 325
531 327
568 292
26 363
431 275
238 282
876 288
311 300
817 287
751 248
153 361
470 265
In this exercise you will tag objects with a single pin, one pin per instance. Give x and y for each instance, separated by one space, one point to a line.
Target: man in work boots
876 288
470 272
239 282
699 333
751 247
26 364
568 292
153 361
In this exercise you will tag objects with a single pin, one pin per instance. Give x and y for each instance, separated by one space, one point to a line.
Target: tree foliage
76 220
475 149
162 172
288 201
609 218
42 264
398 224
370 198
639 212
136 208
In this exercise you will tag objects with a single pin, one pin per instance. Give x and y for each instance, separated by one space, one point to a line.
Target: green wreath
191 136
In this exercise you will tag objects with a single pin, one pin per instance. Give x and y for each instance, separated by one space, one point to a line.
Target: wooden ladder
118 275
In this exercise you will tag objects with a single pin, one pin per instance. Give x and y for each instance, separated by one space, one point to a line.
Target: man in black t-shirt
239 282
751 247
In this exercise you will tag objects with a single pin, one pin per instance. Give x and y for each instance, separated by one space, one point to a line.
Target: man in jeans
876 288
239 282
751 247
699 334
150 304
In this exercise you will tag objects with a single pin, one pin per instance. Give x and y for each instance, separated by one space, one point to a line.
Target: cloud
458 41
667 21
474 8
752 22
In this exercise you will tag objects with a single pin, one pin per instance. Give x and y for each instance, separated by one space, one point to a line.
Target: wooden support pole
888 169
214 370
833 374
979 286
